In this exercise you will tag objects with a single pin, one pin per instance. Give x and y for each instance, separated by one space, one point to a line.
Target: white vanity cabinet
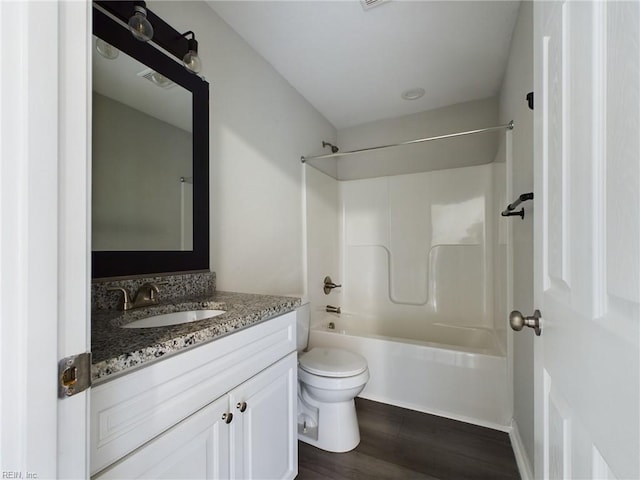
222 410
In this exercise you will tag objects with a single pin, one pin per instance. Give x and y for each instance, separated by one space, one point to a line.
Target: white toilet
328 381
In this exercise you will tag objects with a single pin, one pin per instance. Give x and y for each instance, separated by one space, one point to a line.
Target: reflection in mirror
142 166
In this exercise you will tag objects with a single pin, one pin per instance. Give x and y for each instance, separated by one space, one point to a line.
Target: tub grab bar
508 212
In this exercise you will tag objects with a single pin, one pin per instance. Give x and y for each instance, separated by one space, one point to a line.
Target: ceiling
352 65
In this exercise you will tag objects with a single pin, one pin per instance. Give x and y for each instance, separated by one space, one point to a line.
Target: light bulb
160 80
106 49
139 25
191 60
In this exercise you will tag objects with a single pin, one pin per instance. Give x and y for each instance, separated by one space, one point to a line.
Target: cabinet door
197 447
264 437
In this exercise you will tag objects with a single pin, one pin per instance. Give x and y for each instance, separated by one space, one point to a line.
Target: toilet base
337 426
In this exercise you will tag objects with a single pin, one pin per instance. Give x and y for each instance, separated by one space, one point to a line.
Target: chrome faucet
146 295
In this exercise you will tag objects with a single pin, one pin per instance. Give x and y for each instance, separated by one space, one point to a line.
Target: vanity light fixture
145 25
191 60
140 27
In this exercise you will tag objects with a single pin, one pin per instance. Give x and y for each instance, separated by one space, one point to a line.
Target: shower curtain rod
409 142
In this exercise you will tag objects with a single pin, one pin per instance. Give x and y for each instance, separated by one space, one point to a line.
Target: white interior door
73 224
44 247
587 240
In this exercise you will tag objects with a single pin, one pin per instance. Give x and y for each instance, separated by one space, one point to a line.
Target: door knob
518 321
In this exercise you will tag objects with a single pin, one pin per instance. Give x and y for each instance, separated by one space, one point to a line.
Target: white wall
517 83
435 155
260 126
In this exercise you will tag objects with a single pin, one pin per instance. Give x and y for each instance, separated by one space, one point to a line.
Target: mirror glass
142 156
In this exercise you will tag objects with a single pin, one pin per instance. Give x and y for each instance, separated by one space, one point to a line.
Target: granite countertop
116 350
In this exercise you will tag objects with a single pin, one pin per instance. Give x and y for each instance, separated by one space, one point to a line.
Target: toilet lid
332 362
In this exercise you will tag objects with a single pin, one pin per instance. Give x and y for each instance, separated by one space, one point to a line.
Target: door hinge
74 374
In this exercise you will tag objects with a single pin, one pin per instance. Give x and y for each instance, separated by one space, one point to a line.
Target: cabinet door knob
242 406
227 417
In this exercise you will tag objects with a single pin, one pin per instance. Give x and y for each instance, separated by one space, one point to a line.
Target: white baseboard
524 465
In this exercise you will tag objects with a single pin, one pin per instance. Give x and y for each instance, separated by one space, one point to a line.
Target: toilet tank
302 327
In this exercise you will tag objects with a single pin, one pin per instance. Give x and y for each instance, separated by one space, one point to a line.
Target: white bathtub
455 372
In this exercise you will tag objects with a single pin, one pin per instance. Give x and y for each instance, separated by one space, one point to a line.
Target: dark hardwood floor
402 444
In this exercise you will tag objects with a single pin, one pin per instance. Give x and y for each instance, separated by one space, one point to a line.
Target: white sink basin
174 318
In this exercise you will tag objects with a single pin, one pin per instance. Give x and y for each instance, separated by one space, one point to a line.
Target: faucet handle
126 300
147 291
329 285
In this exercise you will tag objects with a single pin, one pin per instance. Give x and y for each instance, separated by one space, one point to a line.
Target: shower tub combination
456 372
422 262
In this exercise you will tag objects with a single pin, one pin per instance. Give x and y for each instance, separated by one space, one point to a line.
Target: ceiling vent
156 78
367 4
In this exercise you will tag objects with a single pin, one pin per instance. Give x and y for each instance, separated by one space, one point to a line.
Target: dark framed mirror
150 158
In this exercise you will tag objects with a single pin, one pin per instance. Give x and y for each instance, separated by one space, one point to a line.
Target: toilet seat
333 383
332 363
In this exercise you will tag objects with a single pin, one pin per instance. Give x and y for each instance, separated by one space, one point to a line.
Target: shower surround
421 259
419 247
